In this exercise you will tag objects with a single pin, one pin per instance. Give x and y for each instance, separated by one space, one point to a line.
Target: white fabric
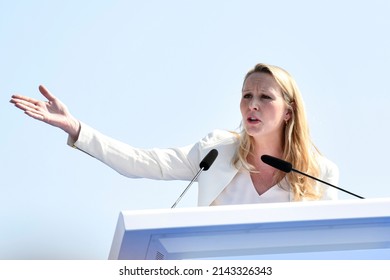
181 163
242 191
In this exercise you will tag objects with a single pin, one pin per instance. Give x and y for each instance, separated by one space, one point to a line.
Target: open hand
52 111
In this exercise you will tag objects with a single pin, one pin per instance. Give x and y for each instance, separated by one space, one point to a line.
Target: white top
242 191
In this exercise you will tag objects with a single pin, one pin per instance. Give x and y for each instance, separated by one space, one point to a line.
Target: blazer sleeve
163 164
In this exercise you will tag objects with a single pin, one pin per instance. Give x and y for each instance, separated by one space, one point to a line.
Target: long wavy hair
297 145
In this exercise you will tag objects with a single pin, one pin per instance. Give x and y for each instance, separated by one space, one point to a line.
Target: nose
253 104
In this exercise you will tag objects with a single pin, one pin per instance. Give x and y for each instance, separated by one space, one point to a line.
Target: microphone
287 167
204 165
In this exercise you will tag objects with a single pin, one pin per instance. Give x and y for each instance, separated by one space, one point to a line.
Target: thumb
46 93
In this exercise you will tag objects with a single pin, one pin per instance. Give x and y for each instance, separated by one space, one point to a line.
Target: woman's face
263 109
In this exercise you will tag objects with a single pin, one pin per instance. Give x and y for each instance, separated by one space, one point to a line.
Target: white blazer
180 163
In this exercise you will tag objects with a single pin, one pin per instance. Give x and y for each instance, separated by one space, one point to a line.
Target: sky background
164 74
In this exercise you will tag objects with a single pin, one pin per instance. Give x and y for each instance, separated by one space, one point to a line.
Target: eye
247 96
264 96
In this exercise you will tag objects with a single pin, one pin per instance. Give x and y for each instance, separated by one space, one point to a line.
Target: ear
289 112
287 116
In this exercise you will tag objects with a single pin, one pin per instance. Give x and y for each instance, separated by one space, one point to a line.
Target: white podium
344 229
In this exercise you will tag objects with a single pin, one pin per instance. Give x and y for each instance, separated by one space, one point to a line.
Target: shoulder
329 173
219 137
225 142
326 165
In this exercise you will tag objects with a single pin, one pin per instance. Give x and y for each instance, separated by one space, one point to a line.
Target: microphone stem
326 183
186 189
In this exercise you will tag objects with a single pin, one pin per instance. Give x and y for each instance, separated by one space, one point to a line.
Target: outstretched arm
52 111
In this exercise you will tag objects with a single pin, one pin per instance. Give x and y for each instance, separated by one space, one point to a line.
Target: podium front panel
347 229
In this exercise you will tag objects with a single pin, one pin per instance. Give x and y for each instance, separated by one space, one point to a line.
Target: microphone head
277 163
208 160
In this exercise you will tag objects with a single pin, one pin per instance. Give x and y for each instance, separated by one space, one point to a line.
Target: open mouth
253 120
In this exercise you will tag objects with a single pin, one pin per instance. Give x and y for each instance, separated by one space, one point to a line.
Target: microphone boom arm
204 165
188 186
326 183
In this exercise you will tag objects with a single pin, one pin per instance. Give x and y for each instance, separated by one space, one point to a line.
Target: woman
273 123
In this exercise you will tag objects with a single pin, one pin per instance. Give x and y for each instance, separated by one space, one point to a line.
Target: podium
343 229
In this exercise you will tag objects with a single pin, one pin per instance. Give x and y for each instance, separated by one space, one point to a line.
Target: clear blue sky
141 71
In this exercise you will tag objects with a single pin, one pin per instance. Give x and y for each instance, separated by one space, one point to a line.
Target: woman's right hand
52 111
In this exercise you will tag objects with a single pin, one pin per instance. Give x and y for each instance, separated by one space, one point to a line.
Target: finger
35 115
46 93
20 98
31 111
26 105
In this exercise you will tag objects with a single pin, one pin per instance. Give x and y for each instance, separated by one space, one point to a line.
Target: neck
265 146
272 147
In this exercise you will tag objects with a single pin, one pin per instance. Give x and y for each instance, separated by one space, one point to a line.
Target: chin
252 132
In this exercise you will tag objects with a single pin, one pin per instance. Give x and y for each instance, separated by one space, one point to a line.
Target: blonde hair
298 148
